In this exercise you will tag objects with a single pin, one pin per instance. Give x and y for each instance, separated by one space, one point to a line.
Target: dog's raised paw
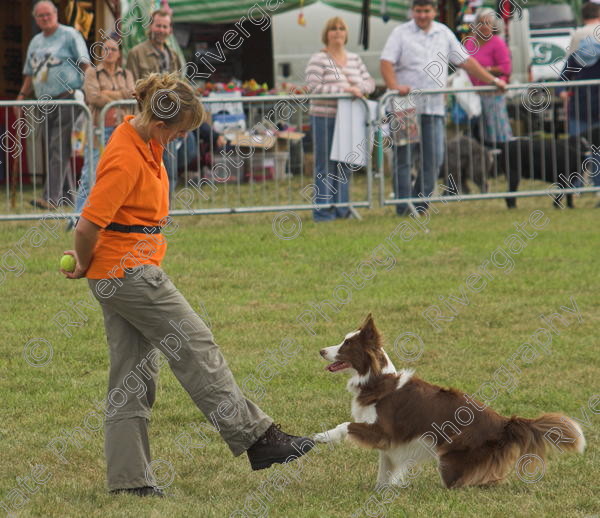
334 435
321 437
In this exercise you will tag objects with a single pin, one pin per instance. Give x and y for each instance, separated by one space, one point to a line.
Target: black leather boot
276 446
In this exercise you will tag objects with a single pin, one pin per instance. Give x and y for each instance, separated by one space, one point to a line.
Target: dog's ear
368 322
369 332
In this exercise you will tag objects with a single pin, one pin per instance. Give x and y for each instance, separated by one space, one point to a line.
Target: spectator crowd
410 48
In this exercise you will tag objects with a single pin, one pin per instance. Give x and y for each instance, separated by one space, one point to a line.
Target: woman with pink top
333 70
492 53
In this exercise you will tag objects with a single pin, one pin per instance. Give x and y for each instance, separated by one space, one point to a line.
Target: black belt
137 229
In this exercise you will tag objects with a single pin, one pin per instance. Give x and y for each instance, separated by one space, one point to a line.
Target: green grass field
252 286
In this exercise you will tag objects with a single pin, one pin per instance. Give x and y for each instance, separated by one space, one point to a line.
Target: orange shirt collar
157 149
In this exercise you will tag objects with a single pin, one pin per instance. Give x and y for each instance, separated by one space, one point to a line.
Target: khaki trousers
145 313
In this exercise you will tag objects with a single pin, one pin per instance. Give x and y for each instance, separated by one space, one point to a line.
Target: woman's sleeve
91 88
367 85
315 76
502 58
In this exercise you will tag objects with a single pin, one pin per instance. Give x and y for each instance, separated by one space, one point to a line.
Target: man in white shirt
416 55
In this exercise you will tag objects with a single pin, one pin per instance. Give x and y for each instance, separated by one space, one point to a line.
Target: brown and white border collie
410 421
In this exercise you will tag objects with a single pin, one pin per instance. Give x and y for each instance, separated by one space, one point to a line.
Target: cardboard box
267 166
285 139
280 142
265 156
224 171
245 141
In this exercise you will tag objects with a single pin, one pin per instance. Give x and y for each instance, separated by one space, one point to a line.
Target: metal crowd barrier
263 167
40 155
268 161
266 164
541 159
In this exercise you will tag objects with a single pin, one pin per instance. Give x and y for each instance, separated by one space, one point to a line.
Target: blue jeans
84 187
431 156
187 151
170 160
332 179
179 153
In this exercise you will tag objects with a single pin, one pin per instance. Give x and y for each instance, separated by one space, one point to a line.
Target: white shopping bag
352 137
468 101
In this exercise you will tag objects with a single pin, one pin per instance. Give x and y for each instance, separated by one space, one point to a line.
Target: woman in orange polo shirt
119 245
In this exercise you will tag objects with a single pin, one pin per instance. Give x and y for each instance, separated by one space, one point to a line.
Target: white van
539 41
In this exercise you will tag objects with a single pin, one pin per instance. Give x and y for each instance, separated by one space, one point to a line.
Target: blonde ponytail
167 98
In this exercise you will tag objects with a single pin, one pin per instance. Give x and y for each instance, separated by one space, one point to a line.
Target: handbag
404 124
79 134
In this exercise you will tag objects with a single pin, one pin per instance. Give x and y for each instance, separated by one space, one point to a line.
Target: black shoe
276 446
139 491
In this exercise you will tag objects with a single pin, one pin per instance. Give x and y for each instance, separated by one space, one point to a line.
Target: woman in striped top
333 70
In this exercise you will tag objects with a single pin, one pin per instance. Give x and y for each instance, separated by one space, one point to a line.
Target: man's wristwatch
495 81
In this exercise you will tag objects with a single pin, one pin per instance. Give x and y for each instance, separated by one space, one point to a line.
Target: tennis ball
67 263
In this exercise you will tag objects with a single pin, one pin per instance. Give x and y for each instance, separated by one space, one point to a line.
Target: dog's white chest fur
363 414
360 413
368 413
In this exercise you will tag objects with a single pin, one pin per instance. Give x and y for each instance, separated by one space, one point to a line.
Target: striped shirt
324 76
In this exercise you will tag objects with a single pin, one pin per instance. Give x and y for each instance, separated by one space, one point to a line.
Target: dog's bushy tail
521 446
543 434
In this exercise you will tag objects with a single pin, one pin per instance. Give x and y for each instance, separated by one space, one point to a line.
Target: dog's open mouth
338 366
